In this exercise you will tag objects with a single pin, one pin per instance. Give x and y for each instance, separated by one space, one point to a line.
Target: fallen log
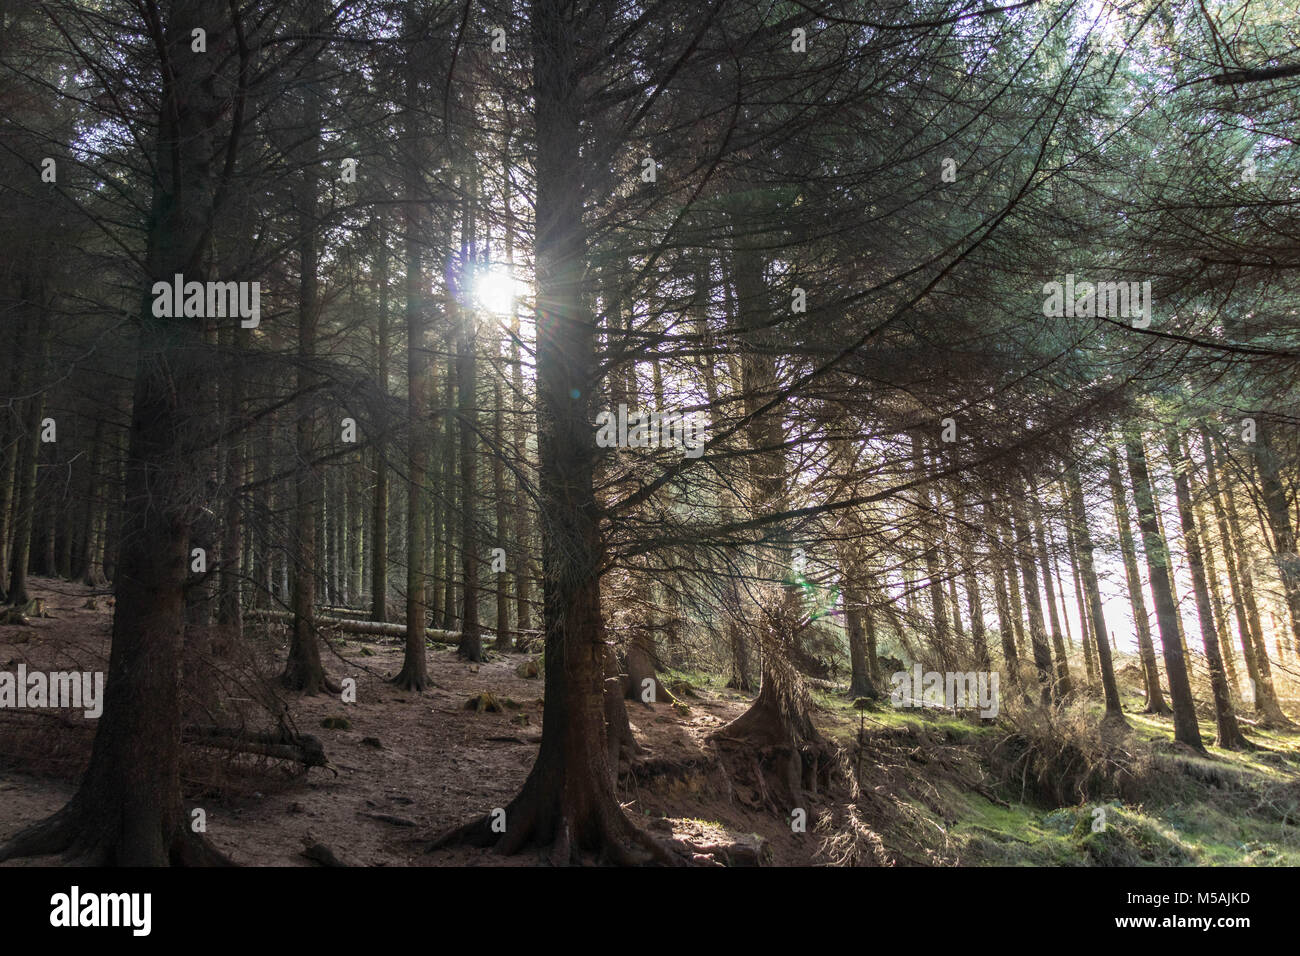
352 626
304 748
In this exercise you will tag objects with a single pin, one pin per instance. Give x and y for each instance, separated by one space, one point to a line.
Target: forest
733 433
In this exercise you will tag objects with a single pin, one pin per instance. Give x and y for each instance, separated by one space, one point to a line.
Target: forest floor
936 788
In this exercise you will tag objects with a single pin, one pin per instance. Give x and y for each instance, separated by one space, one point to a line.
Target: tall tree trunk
471 640
1230 736
998 558
449 507
1023 542
1278 513
1186 729
503 641
33 384
569 799
521 542
1063 682
414 674
230 605
1082 601
974 604
1087 570
1011 577
1155 702
1240 581
780 715
128 809
379 513
1222 627
303 670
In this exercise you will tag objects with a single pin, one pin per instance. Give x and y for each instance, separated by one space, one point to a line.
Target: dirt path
408 766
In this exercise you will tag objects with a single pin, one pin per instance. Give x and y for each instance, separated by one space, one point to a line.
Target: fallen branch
304 749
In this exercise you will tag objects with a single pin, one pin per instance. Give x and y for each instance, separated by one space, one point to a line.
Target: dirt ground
408 766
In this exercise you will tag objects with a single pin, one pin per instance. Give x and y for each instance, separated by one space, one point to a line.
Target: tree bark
1230 736
1023 544
1087 570
568 800
303 670
379 513
127 810
414 674
1186 728
471 642
1240 581
1155 702
1064 684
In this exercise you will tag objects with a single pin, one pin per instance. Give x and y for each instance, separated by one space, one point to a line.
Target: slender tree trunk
379 513
1278 513
1082 601
30 455
1087 570
1005 626
1155 702
1063 682
1023 543
1243 597
1230 736
1212 581
450 424
471 640
230 604
1186 729
414 674
503 641
521 541
974 603
303 670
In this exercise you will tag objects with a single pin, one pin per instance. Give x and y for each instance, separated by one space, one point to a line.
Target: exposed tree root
600 836
83 840
409 679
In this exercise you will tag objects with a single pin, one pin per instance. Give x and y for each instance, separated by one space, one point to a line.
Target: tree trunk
303 671
1186 729
1023 544
127 810
1082 602
1064 684
569 799
503 642
30 455
230 604
1097 616
1230 736
1155 702
1240 581
379 513
450 424
1005 626
471 641
857 619
1278 513
414 674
